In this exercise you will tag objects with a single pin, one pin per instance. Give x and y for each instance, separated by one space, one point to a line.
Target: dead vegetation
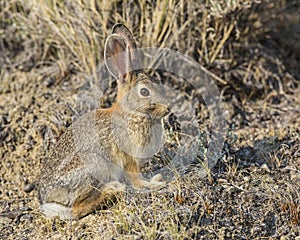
49 53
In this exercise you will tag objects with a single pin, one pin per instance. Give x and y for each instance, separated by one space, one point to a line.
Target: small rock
25 208
12 215
265 167
246 179
28 187
27 217
222 180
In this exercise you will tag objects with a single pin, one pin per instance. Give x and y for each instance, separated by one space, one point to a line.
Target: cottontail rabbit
102 148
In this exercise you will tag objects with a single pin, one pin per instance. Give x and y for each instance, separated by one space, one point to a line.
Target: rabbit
95 158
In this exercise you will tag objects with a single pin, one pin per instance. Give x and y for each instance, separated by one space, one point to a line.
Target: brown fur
85 168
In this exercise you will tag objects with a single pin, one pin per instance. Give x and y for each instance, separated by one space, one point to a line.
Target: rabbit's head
138 92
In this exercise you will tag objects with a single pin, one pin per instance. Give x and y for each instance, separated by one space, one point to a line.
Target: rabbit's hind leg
96 198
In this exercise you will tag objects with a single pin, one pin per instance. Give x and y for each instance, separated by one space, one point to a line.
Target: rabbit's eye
145 92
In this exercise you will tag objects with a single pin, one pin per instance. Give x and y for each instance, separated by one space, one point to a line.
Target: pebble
246 179
27 217
28 187
265 167
13 214
25 208
222 180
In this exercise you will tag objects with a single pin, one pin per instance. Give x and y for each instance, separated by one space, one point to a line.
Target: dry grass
49 53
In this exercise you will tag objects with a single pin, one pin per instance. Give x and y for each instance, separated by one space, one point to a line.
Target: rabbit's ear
122 30
117 56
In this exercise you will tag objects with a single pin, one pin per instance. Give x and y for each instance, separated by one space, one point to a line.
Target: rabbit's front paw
156 178
156 183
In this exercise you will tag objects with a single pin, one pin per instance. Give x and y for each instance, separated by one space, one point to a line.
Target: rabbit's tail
51 210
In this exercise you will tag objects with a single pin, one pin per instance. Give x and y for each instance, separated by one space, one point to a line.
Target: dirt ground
252 50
